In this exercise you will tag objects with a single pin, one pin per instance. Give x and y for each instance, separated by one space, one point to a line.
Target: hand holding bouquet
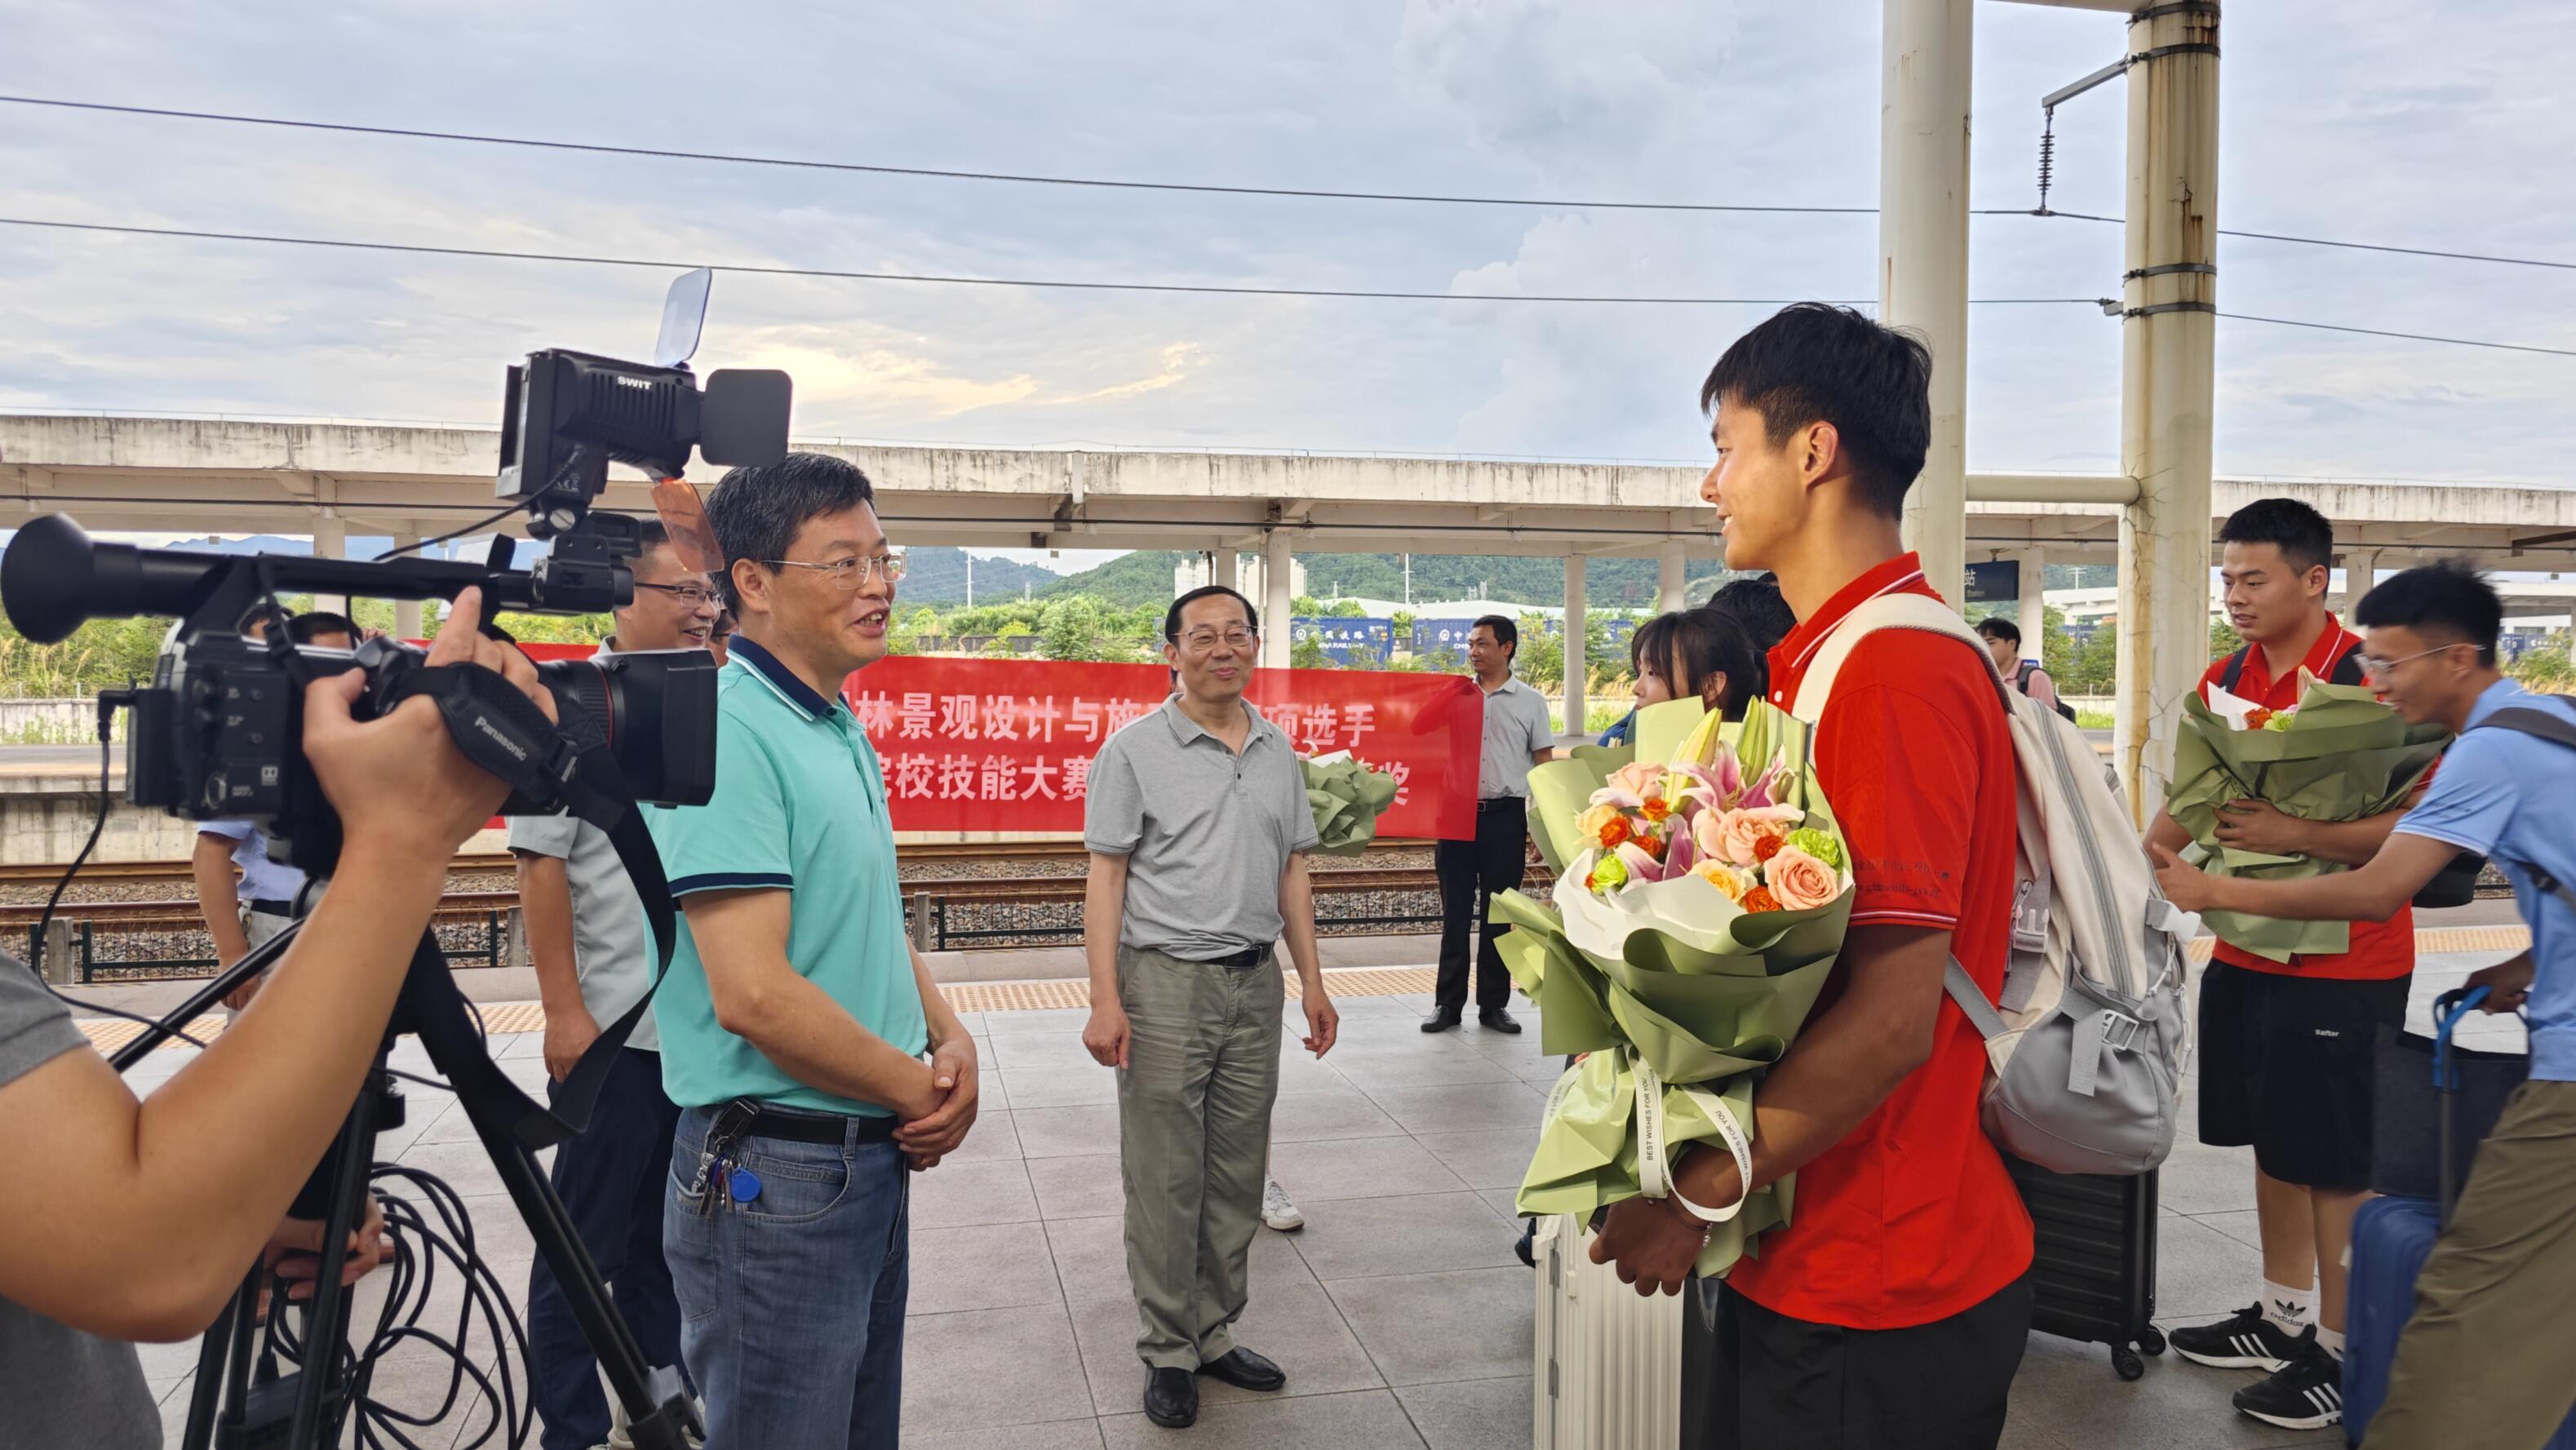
1699 907
2338 755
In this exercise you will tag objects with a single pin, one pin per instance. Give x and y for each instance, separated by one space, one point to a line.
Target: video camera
218 731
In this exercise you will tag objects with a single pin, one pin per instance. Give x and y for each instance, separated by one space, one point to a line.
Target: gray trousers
1193 1131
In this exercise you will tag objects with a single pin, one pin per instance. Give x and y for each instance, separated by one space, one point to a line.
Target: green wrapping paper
2343 756
1347 797
1670 974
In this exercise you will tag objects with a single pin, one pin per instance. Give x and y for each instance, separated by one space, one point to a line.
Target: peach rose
1590 824
1722 876
1643 779
1800 880
1738 831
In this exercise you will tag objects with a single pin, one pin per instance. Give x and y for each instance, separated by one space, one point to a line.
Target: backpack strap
2347 667
1888 611
2235 670
2022 672
2543 725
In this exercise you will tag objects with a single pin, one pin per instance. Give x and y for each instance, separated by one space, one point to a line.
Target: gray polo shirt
58 1385
1206 832
612 946
1517 726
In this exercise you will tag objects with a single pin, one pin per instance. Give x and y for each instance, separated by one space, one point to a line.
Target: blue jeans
792 1304
610 1178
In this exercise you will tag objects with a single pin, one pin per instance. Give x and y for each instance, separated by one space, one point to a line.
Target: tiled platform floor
1400 1313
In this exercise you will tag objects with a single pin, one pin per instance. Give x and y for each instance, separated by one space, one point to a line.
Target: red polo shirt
2380 949
1911 1218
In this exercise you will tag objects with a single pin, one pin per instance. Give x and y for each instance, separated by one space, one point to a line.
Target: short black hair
757 510
1813 362
1759 612
651 533
306 627
1506 633
2303 536
1995 626
2450 597
1688 645
1172 616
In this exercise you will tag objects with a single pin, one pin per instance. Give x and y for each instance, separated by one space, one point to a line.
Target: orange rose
1800 881
1614 832
1655 810
1766 847
1759 900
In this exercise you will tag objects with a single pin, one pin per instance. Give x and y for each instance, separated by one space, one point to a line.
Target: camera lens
657 711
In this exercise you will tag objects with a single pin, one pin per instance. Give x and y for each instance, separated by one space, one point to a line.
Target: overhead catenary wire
769 270
1203 188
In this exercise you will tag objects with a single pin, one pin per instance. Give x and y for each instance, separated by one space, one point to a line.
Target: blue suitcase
2391 1239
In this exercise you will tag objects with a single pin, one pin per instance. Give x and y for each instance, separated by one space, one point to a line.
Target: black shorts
2285 1065
1756 1380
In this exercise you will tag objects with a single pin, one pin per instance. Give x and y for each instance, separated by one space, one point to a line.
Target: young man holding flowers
1893 1308
2285 1047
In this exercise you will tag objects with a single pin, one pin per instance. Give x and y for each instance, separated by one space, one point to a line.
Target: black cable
2409 336
2328 242
108 702
829 273
1303 193
479 524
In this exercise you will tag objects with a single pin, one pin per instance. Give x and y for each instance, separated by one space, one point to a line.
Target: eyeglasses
853 572
1200 641
2379 669
693 596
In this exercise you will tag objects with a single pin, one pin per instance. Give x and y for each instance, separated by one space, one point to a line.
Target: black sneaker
2244 1340
2305 1394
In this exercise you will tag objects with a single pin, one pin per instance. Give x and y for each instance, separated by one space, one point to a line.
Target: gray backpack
2085 1049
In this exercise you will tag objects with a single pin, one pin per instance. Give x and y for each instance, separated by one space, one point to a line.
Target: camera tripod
227 1412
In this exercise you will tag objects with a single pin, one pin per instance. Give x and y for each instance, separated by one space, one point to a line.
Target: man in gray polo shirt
1519 733
594 957
1198 825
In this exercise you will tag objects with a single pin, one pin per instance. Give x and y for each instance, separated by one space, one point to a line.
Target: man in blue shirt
795 1013
2487 1345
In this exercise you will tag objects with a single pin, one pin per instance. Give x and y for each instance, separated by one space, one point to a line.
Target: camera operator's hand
399 784
295 1250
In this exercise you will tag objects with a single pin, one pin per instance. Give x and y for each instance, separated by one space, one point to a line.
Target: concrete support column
1578 664
331 541
2034 601
1668 577
2360 571
2167 341
1924 83
1227 568
407 611
1275 598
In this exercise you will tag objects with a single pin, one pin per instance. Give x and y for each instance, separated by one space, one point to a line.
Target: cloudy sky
2353 120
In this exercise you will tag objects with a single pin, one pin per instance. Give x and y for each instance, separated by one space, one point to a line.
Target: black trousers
1470 873
1763 1381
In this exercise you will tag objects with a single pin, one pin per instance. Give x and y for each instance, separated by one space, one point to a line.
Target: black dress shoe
1441 1021
1495 1019
1171 1398
1245 1370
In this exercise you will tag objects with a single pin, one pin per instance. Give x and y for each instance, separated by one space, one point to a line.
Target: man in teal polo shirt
795 1013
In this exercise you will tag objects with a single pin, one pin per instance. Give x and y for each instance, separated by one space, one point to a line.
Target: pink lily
1641 866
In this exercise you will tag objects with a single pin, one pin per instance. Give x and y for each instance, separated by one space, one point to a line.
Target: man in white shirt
1519 733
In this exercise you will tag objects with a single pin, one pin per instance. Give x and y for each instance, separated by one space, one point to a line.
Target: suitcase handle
2448 1009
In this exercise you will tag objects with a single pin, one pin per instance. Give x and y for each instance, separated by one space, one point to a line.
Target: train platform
1400 1312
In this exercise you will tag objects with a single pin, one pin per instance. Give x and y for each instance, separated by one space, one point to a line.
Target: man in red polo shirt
1893 1309
2285 1047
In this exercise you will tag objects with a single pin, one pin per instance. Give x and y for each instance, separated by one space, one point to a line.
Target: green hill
938 576
1145 577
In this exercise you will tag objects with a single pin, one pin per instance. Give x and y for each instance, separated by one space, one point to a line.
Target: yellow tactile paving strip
108 1034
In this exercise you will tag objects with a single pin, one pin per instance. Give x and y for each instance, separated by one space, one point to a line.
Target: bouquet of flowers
2339 755
1348 795
1703 893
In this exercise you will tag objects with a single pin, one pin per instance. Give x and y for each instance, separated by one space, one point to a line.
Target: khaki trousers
1193 1131
2488 1359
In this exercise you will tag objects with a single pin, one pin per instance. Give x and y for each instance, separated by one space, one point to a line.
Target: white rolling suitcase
1609 1362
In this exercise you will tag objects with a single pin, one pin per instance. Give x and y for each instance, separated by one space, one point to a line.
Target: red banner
1006 745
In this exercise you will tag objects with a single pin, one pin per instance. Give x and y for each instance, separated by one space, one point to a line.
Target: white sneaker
1276 1210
